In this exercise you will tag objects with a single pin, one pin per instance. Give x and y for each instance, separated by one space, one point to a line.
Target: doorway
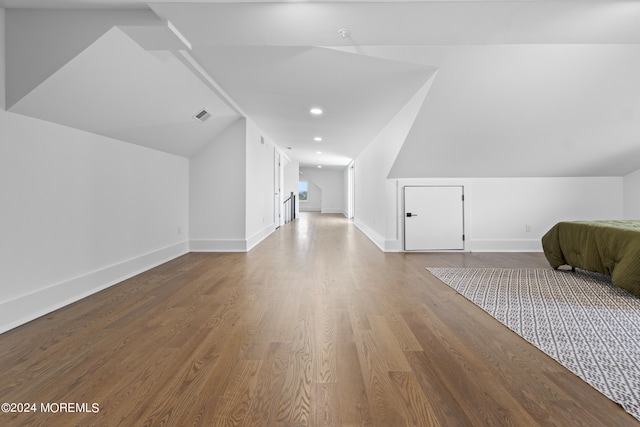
351 191
433 218
277 189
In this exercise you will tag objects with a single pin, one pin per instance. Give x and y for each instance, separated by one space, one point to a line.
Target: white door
277 190
433 218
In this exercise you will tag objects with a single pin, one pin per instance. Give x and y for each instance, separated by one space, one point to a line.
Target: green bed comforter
607 247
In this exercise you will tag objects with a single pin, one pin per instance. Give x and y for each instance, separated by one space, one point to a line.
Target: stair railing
290 208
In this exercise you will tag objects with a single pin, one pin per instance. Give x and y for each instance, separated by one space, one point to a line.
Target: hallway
313 327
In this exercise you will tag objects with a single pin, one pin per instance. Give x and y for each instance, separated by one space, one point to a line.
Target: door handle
409 214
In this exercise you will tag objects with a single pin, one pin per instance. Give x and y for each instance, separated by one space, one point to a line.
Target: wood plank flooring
313 327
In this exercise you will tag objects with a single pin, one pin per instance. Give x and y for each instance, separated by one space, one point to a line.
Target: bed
606 247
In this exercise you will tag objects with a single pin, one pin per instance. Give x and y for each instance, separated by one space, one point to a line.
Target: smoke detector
344 33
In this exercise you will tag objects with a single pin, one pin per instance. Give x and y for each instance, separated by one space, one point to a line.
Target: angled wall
374 215
40 41
497 210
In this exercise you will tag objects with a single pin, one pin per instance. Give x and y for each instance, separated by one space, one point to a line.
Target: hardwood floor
313 327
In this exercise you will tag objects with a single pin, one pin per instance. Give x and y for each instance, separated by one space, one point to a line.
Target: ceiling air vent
202 115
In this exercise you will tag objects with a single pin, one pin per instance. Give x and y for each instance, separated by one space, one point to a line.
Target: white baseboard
230 245
393 246
373 235
497 245
487 245
504 245
218 245
259 236
25 308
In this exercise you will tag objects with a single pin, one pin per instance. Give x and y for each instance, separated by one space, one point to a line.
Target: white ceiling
527 110
71 4
276 87
523 88
117 89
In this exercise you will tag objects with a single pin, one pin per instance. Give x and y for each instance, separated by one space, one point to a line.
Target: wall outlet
179 230
527 228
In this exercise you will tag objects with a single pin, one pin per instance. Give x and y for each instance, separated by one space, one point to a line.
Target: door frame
351 190
404 219
277 188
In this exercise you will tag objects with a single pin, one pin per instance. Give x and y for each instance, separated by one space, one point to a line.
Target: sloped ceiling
523 88
117 89
276 86
528 110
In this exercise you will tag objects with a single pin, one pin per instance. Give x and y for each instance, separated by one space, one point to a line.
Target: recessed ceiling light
316 111
319 166
317 139
318 152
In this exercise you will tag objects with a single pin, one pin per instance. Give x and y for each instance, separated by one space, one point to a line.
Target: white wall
217 195
81 212
374 215
497 210
632 195
3 70
231 201
260 187
333 186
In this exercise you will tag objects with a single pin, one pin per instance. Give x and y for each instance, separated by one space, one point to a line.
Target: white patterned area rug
578 318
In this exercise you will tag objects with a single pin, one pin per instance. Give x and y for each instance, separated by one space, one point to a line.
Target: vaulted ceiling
520 88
